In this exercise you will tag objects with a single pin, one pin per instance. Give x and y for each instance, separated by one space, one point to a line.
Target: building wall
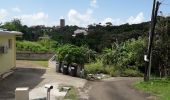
8 59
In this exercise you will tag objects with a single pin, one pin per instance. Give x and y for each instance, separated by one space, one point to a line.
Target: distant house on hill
80 31
7 51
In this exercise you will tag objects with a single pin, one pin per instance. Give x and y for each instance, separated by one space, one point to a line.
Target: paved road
116 89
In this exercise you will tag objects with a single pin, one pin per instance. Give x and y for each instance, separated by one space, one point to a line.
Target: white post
22 93
48 87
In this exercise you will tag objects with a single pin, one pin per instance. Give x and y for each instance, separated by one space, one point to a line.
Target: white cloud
131 20
16 9
39 18
93 3
82 19
135 20
3 14
113 21
76 18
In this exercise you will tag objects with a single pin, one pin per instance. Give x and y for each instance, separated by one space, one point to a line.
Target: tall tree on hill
161 48
14 25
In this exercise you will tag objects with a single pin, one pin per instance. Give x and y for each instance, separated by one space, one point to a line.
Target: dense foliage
115 50
161 50
30 47
125 59
98 38
41 46
71 54
74 54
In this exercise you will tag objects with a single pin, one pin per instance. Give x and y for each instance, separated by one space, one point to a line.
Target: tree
162 46
71 54
14 25
109 24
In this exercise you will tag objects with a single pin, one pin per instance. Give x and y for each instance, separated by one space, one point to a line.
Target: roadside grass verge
71 94
157 87
41 63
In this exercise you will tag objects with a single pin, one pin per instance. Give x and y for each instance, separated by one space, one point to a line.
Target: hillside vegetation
115 50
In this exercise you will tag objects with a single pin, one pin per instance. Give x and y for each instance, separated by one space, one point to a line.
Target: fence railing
52 61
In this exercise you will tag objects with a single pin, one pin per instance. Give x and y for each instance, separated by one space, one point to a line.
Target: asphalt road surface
116 89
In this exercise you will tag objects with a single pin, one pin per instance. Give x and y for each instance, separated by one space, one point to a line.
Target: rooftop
5 32
79 31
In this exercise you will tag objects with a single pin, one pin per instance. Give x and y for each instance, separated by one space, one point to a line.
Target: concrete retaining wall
34 56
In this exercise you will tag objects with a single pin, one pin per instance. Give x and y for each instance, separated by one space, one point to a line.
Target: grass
158 87
71 94
41 63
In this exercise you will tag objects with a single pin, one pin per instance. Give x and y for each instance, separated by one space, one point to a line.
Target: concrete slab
22 93
41 93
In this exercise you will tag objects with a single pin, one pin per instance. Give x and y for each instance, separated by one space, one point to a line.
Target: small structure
80 31
7 51
22 93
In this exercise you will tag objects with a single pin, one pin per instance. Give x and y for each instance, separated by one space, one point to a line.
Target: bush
71 54
48 43
122 59
131 73
94 68
31 47
111 71
125 55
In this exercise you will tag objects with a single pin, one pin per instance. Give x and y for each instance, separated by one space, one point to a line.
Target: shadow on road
22 77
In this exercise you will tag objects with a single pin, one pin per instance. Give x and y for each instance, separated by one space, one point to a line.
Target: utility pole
155 9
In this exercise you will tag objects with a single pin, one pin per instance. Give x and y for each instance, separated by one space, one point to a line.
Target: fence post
22 93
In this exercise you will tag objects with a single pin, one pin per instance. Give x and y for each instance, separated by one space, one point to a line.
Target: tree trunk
160 70
165 71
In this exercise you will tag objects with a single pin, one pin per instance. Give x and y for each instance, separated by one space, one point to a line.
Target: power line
163 3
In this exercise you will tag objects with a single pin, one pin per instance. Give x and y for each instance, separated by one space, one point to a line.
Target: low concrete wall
34 56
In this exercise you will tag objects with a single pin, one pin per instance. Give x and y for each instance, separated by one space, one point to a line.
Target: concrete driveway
34 76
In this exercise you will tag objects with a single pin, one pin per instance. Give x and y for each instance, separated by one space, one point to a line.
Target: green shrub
111 71
94 68
31 47
71 54
126 55
48 43
131 73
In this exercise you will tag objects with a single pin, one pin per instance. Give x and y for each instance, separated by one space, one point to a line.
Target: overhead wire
164 4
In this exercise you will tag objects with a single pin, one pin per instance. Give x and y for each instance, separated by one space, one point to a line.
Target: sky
78 12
